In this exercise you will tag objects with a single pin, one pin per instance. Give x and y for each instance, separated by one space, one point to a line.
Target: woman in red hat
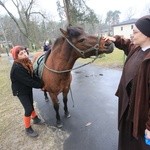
134 88
23 80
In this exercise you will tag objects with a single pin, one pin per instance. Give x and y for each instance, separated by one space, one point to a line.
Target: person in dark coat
46 46
22 82
134 88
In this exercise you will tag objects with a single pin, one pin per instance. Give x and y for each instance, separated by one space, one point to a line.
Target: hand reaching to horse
109 38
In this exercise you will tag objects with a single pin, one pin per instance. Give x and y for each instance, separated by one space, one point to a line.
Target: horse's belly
57 86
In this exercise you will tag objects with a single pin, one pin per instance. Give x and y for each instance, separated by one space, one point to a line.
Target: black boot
38 121
30 132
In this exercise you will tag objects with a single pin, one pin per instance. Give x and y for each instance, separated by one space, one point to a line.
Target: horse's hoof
59 124
67 115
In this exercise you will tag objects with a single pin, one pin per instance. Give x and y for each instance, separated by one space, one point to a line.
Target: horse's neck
63 59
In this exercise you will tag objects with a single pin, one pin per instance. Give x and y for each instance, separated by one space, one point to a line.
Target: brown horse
73 44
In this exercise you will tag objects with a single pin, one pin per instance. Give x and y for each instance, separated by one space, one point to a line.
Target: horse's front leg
56 107
65 100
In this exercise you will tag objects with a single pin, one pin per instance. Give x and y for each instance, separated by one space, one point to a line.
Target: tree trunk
67 10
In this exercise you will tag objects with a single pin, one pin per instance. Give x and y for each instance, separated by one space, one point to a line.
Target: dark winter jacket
140 96
47 47
22 81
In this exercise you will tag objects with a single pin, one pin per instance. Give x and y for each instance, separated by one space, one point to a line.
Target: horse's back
37 55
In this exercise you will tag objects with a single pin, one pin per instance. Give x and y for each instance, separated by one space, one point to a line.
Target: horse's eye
81 40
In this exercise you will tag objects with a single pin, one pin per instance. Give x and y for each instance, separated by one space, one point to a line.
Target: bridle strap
94 48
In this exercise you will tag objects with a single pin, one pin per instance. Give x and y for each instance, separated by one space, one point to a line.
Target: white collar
145 48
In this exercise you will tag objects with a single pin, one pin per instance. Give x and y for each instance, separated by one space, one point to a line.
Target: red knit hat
15 51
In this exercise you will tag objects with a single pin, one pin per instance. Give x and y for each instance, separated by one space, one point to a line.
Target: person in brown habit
134 88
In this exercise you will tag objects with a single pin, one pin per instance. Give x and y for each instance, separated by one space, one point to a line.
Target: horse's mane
59 40
72 32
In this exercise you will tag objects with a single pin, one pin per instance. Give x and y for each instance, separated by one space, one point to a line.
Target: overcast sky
139 7
100 7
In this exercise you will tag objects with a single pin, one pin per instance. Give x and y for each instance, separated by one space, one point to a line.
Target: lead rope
64 71
80 67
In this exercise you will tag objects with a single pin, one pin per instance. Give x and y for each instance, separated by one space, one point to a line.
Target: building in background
125 28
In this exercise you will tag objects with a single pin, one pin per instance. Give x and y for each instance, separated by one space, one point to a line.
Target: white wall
126 31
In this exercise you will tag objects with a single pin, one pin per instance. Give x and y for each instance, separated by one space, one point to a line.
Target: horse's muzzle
106 46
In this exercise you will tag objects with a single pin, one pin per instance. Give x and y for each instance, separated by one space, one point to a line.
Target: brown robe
134 97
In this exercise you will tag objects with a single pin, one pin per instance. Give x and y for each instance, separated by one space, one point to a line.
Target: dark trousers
27 103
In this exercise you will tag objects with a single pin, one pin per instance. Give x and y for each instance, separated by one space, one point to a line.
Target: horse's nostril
97 46
107 44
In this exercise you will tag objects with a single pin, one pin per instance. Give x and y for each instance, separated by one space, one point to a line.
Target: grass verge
8 103
114 60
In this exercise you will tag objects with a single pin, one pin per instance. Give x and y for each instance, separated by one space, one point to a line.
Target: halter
94 48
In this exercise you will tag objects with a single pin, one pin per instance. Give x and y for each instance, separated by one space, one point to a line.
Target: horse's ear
64 32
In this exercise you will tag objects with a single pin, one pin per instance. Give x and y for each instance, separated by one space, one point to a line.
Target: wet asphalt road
93 122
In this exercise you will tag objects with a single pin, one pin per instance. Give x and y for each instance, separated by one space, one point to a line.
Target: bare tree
76 11
67 9
112 19
130 13
25 10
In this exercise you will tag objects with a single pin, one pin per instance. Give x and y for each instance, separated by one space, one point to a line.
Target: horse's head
86 45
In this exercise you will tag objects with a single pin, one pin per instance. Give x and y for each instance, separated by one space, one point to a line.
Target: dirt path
12 135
